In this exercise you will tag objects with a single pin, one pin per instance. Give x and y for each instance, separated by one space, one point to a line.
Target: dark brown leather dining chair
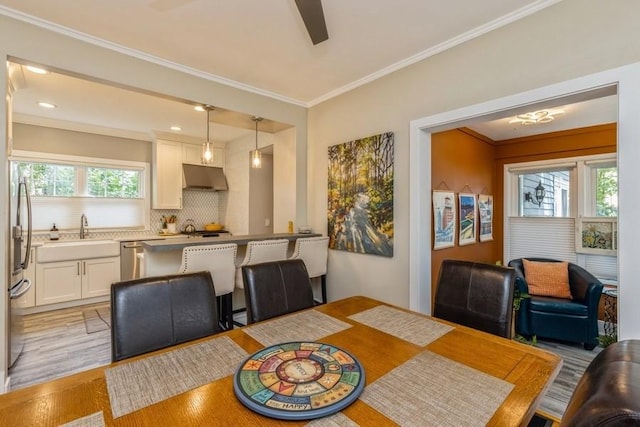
276 288
476 295
155 312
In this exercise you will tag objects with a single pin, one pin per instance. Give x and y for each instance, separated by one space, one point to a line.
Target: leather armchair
608 393
573 320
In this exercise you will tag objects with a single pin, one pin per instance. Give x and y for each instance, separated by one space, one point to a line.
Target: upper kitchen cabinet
166 180
192 155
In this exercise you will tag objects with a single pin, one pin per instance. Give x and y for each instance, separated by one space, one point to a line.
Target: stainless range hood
203 178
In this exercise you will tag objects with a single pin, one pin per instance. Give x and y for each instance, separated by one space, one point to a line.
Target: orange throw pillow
547 278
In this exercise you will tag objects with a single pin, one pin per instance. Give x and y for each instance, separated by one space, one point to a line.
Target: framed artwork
467 219
597 235
444 219
485 211
360 195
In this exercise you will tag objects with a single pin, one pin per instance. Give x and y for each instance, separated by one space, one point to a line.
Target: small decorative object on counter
53 233
169 223
290 227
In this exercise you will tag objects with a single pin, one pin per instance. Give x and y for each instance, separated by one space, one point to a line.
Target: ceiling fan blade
313 17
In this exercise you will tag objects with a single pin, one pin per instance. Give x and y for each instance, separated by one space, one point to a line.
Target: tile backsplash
203 207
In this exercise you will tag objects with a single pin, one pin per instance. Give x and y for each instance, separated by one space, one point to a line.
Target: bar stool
262 251
258 252
314 252
220 261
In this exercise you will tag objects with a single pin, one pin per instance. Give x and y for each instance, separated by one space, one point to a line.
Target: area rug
97 319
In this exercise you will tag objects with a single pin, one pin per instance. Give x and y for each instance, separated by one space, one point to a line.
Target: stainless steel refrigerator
20 248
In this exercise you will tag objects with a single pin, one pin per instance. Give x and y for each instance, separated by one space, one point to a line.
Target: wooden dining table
418 370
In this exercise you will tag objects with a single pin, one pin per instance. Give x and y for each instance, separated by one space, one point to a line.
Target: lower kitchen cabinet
98 275
71 280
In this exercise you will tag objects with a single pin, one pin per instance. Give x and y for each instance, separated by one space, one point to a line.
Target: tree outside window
607 191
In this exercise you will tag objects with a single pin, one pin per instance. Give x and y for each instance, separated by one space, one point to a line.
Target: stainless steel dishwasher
129 261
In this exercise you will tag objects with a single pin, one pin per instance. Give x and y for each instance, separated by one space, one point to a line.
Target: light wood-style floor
57 345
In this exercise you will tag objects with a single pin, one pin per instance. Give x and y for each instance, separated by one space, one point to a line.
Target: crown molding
469 35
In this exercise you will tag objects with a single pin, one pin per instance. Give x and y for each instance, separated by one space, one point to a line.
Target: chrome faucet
84 231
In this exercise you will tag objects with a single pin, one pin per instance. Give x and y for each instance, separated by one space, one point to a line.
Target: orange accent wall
462 163
462 158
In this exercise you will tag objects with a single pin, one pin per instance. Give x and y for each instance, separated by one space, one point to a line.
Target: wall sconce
539 196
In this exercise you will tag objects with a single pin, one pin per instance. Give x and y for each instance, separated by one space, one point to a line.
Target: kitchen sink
76 249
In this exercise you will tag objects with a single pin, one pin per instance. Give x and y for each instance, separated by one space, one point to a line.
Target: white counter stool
260 251
314 252
220 261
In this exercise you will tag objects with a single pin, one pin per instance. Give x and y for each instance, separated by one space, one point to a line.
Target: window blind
542 237
101 212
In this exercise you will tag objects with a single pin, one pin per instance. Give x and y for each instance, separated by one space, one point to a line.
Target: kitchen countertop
178 243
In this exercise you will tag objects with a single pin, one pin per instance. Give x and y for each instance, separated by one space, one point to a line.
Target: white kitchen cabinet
58 282
29 299
72 280
192 155
98 275
166 185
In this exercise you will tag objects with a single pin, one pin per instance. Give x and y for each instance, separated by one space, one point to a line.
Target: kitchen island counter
164 256
176 243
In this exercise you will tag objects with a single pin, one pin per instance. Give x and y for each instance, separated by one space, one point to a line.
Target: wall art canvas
444 219
360 195
467 219
485 210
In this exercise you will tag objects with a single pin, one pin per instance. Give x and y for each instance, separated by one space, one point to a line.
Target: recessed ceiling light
176 128
37 70
199 108
47 105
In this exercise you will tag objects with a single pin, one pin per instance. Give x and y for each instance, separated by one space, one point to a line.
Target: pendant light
256 156
207 153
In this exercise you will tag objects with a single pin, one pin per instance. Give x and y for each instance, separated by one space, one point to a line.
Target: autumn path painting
360 205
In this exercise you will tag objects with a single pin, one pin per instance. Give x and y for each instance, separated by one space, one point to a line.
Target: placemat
144 382
430 390
410 327
309 325
93 420
336 420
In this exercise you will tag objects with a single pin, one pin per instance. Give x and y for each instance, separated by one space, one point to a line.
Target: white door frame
628 175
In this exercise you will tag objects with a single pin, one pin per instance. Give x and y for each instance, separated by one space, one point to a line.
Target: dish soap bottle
53 233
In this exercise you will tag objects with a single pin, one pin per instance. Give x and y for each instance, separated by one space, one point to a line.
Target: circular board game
299 380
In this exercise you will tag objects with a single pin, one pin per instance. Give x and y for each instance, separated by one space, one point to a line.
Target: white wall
284 180
237 168
572 38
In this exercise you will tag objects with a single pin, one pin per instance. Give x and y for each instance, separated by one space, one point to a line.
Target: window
49 179
110 195
606 190
574 217
117 183
544 193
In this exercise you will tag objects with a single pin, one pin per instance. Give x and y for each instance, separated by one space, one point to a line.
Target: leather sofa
608 393
574 320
